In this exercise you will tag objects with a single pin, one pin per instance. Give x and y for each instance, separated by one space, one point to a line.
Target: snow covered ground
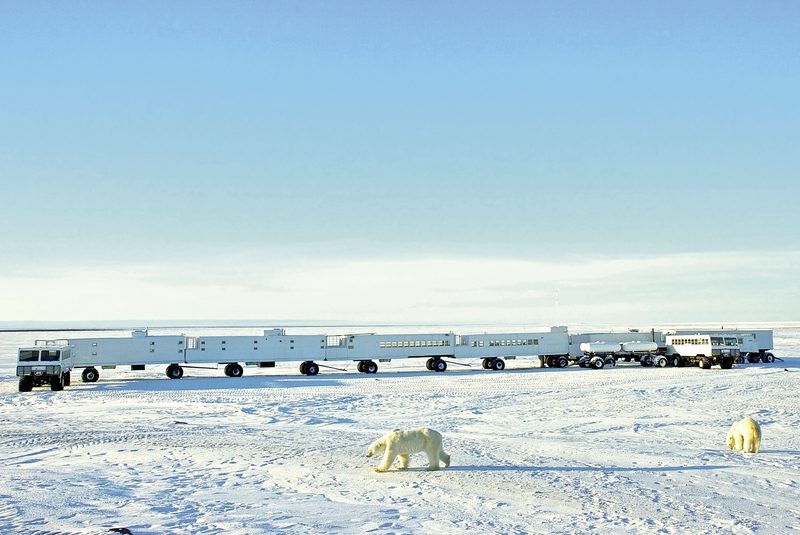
534 450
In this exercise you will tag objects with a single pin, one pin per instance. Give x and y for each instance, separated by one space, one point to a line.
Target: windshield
28 355
50 355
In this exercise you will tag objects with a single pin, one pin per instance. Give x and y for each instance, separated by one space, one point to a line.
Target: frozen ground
625 450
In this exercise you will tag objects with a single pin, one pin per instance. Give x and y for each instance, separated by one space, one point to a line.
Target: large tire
727 363
597 363
370 367
610 361
312 368
57 383
90 375
487 364
67 379
646 360
429 364
661 362
439 365
25 383
360 366
562 361
174 371
551 362
705 363
303 368
753 358
498 365
236 370
769 357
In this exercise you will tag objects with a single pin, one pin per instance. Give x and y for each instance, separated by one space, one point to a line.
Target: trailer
137 351
599 349
704 350
494 348
755 345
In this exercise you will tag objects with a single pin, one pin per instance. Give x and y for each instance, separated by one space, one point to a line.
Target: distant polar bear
401 444
745 435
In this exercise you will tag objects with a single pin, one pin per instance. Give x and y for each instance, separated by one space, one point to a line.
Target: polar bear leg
388 457
739 441
444 458
433 448
730 440
404 459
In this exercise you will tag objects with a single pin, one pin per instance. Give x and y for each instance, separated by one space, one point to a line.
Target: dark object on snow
124 531
178 422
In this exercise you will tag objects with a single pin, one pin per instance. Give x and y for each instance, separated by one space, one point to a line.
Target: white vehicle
47 362
597 350
704 350
136 351
754 344
555 348
552 346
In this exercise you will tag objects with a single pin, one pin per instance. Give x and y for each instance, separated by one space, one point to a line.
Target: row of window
688 341
498 343
416 343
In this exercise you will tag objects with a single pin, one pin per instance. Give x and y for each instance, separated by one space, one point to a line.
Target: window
28 356
49 355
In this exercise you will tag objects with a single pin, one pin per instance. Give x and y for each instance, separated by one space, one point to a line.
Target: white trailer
493 348
137 351
600 349
704 350
754 344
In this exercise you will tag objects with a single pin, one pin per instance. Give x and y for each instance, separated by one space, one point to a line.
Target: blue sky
222 158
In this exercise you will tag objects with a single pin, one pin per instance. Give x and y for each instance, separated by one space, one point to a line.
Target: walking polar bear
745 435
401 444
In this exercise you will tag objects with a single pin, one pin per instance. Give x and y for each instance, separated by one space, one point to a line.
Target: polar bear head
380 445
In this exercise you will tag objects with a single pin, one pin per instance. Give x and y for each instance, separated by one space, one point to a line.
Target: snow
534 450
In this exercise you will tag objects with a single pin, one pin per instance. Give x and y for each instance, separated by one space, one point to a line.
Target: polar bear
745 435
401 444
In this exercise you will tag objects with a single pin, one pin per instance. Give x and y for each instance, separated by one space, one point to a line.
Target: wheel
90 375
360 366
597 363
303 368
752 359
174 371
439 365
582 363
487 364
562 361
228 370
312 368
429 364
769 357
236 370
26 383
67 379
370 367
498 365
705 363
661 361
675 361
609 361
627 359
57 383
646 360
550 362
727 363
